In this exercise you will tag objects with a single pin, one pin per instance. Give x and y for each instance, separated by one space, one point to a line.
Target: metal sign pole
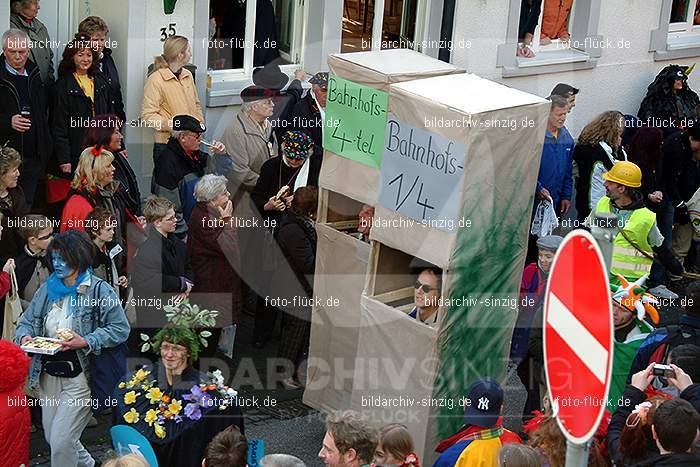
604 230
577 454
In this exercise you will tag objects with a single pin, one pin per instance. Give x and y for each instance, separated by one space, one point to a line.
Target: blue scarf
57 290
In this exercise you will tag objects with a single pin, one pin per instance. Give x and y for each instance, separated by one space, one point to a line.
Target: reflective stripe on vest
626 260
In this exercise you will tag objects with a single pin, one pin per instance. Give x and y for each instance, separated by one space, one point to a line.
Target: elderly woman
86 313
297 240
24 17
212 244
297 166
281 176
170 91
599 147
251 141
12 202
192 414
81 92
94 185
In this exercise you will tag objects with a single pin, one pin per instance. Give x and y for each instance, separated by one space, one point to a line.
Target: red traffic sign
578 336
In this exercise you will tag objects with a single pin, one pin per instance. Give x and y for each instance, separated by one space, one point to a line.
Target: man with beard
638 241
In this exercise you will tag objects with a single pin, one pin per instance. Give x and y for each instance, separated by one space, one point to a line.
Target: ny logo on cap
483 403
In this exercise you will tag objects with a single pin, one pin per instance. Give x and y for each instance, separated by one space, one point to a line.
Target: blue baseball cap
484 405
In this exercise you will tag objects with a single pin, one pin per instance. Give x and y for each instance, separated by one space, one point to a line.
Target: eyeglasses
424 287
172 218
176 349
196 136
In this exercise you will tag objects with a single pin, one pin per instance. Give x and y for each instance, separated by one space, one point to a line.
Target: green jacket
623 356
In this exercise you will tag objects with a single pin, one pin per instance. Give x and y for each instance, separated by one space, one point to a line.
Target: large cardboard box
501 131
341 260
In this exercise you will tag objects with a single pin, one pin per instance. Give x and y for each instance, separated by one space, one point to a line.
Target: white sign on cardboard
421 175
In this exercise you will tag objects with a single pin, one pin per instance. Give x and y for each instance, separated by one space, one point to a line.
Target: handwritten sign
421 174
355 121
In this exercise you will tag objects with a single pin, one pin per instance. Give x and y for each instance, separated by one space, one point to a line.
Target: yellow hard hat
625 173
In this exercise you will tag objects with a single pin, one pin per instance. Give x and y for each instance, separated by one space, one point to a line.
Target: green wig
179 336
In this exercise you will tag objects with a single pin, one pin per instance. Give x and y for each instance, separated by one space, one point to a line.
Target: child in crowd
33 267
161 273
395 447
99 224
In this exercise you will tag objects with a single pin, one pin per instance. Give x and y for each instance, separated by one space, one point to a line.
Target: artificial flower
141 375
192 411
175 407
132 416
151 417
122 385
159 430
165 398
218 377
130 397
154 395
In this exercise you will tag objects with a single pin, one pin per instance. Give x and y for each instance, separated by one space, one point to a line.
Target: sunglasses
45 237
424 287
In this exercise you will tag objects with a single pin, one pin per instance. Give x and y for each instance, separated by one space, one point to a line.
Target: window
406 283
397 27
244 34
678 35
547 36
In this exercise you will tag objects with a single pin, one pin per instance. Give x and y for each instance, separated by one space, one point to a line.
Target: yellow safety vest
626 260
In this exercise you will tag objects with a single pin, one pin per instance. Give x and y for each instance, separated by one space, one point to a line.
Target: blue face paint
60 267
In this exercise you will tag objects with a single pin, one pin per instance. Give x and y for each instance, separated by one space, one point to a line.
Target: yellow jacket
164 97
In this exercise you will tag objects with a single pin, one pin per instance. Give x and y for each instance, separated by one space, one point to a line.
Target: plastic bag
545 220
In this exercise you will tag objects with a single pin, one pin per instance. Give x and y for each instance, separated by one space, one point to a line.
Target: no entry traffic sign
578 336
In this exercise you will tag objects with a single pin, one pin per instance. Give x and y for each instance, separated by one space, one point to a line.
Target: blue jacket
109 330
556 166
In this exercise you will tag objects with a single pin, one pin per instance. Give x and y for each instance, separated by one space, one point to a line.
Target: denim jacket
110 329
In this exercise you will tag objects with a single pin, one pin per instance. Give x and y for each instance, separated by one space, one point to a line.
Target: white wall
618 82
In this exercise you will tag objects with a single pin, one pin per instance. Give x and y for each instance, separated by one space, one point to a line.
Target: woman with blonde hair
94 185
170 91
598 148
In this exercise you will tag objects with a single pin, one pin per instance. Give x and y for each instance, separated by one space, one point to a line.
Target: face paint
60 267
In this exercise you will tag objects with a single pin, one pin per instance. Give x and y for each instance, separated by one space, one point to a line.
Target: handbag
62 365
13 309
109 366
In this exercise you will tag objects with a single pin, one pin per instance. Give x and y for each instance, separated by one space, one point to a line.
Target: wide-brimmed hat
270 76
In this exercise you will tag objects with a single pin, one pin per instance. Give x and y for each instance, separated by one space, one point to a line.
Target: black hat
188 123
255 93
270 76
564 90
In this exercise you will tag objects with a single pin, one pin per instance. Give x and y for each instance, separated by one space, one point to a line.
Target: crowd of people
90 263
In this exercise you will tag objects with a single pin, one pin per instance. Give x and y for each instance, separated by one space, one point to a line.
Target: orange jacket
555 17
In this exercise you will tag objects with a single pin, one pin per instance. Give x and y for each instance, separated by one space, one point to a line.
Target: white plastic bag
694 213
545 220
